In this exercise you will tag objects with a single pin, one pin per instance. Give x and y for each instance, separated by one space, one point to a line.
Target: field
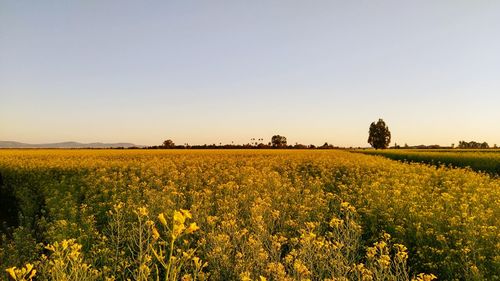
483 160
243 215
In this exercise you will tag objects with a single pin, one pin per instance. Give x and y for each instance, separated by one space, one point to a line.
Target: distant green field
484 160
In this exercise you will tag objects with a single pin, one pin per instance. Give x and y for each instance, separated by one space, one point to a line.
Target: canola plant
244 215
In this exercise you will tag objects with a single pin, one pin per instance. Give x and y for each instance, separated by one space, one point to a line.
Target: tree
168 144
278 141
379 135
473 145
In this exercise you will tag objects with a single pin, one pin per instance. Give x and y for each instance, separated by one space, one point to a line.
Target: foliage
168 144
25 273
253 215
379 135
278 141
473 145
67 262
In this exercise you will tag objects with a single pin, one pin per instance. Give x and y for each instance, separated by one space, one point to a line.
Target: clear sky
221 71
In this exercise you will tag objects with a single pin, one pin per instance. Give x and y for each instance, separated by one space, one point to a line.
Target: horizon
252 143
229 71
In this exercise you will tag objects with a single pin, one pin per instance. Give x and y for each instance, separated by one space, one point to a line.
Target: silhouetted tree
278 141
379 135
473 144
168 144
326 146
300 146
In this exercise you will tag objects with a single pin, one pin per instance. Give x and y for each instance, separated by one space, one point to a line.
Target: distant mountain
68 144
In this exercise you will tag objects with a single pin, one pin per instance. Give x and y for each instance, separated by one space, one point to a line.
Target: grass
487 160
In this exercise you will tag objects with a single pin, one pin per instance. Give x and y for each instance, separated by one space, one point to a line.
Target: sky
228 71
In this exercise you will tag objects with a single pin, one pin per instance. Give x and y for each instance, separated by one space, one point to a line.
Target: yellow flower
186 213
29 267
192 228
32 274
335 222
300 268
156 234
344 205
179 218
162 219
142 211
196 261
425 277
245 276
384 261
387 236
177 230
12 272
370 253
65 244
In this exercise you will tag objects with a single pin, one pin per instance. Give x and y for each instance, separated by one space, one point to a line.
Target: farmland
483 160
244 215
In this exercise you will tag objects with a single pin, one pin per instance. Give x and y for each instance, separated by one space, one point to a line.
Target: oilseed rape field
243 215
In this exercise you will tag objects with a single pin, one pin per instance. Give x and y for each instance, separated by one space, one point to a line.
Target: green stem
170 258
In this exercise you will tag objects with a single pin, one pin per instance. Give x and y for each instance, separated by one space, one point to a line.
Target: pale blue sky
222 71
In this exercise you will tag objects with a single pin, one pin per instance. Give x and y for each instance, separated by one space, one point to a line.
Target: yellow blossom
192 228
162 219
155 232
12 272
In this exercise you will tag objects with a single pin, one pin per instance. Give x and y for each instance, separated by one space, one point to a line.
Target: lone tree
278 141
168 144
379 135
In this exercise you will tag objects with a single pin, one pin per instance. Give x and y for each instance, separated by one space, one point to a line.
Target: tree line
473 145
277 142
379 137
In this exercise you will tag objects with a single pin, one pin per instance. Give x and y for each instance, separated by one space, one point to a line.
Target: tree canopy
168 144
379 135
278 141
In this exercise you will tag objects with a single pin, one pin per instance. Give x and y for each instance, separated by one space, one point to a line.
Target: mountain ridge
67 144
